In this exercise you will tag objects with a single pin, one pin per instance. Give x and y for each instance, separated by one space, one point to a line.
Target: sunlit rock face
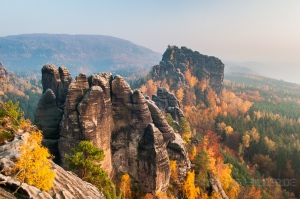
176 61
51 105
131 130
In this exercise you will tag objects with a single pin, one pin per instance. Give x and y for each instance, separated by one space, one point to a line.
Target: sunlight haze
237 31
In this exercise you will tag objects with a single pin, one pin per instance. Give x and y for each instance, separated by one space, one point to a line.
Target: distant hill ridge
81 53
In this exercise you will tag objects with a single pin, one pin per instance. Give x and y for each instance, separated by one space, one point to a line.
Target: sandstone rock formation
50 107
66 184
57 80
130 129
153 160
168 103
87 116
176 61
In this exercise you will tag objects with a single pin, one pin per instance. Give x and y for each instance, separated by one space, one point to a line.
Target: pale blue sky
256 30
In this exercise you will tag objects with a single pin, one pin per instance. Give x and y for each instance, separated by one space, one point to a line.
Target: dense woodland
25 89
248 136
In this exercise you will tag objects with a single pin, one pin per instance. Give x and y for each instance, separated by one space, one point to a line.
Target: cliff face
168 103
51 105
176 61
103 109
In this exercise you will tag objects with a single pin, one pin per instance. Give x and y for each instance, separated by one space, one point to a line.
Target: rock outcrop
168 103
176 61
50 107
131 130
66 185
87 116
58 80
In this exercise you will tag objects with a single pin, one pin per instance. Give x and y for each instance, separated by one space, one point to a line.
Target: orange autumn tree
191 80
180 94
149 88
210 148
125 186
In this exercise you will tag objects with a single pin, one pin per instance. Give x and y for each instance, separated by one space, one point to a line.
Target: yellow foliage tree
191 80
174 172
270 144
125 186
189 189
33 166
202 85
228 130
230 186
246 140
255 135
193 153
179 94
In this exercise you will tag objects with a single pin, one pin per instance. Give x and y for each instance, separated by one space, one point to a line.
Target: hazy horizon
237 31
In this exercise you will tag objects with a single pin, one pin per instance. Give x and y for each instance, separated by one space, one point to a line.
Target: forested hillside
26 90
81 53
248 135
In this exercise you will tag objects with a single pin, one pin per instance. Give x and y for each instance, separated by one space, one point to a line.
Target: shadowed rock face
131 117
131 130
49 111
168 103
153 160
48 115
58 80
176 61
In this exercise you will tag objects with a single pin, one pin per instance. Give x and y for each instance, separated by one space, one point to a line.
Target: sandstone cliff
66 185
176 61
50 107
103 109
